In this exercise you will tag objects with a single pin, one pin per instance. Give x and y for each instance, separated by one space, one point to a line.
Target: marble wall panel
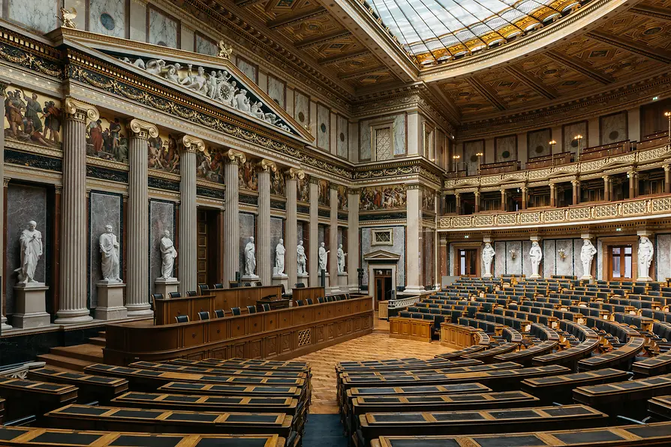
31 117
163 30
427 260
364 142
302 231
550 257
104 209
38 15
398 128
250 70
514 266
398 131
577 263
506 148
323 127
538 143
301 108
599 259
499 260
663 261
470 160
343 137
397 248
277 91
570 131
205 45
247 230
321 236
276 233
526 259
564 267
612 128
138 21
24 203
108 17
161 218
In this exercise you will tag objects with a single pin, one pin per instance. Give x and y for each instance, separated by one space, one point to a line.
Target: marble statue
215 85
341 259
279 258
323 257
301 259
250 257
168 255
488 254
587 253
31 251
645 252
536 255
109 262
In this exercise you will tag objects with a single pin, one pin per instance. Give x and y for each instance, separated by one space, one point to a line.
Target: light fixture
655 98
552 142
466 236
668 115
479 154
562 254
578 138
618 229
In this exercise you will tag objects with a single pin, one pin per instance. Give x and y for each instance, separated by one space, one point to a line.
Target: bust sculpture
168 255
109 250
488 254
31 252
250 257
323 257
587 253
279 258
341 259
536 255
301 259
645 252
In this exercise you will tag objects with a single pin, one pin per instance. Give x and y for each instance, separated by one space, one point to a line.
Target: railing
403 302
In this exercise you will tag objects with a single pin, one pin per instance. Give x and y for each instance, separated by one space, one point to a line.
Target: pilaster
188 215
231 215
291 233
353 249
414 229
333 237
264 267
313 257
4 84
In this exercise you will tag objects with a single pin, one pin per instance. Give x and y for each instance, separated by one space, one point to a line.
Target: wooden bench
653 366
657 434
29 397
621 356
23 436
247 364
568 357
374 425
558 388
215 371
429 365
461 352
231 390
91 388
623 398
660 407
488 355
525 356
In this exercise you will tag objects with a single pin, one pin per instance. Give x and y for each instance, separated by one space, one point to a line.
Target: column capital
78 110
142 129
575 182
605 177
477 193
333 186
235 157
5 181
314 180
413 186
4 84
666 167
524 188
294 173
354 191
192 144
266 166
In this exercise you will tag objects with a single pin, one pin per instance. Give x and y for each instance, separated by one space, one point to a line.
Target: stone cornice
417 166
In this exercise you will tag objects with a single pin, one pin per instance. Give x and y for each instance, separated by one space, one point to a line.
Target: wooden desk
278 334
275 304
303 293
410 328
244 296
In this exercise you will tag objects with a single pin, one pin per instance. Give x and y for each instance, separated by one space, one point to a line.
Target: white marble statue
645 252
323 257
279 258
587 253
488 254
109 250
168 255
341 259
31 251
250 257
301 259
536 255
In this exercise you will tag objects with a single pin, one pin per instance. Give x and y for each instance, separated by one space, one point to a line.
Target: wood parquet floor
376 346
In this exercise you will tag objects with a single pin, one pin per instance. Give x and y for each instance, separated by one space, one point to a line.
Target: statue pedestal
31 310
586 278
643 279
536 276
281 280
165 286
304 278
249 278
343 283
110 301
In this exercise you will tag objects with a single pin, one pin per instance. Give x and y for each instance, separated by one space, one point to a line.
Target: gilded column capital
575 182
294 173
143 129
666 167
354 191
192 144
333 186
235 157
314 180
605 177
266 166
78 110
5 181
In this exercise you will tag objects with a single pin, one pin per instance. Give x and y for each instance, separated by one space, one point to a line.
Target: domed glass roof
435 31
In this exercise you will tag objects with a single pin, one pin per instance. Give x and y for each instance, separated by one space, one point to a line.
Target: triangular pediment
211 79
381 255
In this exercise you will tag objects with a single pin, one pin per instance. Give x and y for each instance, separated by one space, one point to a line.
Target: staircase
77 357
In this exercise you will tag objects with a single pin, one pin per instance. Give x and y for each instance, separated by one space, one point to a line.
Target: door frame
477 246
371 276
607 243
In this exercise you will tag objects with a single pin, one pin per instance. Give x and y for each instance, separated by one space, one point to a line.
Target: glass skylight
440 30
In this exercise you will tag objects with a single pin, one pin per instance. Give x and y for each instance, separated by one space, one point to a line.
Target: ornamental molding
235 157
266 166
192 144
293 174
80 110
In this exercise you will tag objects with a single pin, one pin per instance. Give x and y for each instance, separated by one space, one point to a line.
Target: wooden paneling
410 328
303 293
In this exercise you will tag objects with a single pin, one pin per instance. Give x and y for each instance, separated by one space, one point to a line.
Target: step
87 352
60 361
98 341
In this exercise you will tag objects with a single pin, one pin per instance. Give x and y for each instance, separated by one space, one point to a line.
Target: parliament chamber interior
347 223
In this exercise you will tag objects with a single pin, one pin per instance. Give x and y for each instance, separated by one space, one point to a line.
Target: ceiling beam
363 74
580 67
625 43
651 11
322 39
281 23
548 92
243 3
488 94
343 58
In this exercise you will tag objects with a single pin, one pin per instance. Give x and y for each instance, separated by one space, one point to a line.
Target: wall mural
383 197
538 143
303 187
210 165
324 193
247 177
471 158
428 200
33 118
613 128
163 153
107 139
506 148
342 197
278 184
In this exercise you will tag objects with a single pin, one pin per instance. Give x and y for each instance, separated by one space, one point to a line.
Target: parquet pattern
375 346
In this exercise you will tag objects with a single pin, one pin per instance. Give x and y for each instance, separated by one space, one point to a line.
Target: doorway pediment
381 256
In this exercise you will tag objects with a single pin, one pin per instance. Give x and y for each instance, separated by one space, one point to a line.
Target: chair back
219 313
182 318
157 296
218 286
299 285
203 288
300 303
309 301
266 307
175 295
251 309
236 311
204 315
191 293
320 299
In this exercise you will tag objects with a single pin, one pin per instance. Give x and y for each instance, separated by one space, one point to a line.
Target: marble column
74 231
414 229
333 237
576 191
231 215
503 200
524 197
188 215
353 250
667 179
264 268
291 231
477 201
632 183
606 188
553 194
313 257
458 203
4 84
137 286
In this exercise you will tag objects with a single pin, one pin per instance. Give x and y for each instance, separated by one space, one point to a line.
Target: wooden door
620 262
467 262
383 286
